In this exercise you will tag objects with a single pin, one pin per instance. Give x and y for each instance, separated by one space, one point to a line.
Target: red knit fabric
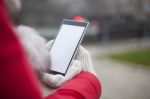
83 86
18 80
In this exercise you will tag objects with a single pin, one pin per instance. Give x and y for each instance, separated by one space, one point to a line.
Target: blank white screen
64 47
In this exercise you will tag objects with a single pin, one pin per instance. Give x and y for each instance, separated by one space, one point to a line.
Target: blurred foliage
138 56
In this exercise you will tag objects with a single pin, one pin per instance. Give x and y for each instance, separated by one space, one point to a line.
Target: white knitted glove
86 60
57 80
82 62
35 47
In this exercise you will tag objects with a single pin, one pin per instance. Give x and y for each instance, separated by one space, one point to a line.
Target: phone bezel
75 23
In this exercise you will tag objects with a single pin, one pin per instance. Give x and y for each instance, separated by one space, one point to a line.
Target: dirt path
120 80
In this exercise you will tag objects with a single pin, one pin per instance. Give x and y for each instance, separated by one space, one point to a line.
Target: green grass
138 56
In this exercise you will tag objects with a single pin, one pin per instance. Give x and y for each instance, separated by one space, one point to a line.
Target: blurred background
118 38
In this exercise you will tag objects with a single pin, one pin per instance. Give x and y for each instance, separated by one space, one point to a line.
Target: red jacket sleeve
83 86
17 79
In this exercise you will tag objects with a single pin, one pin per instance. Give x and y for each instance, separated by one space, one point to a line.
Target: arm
83 86
17 79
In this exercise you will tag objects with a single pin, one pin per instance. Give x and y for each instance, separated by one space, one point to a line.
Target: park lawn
141 56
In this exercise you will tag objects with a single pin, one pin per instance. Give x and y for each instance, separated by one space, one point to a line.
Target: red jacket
19 81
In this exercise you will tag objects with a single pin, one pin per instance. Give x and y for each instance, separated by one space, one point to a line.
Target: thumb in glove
57 80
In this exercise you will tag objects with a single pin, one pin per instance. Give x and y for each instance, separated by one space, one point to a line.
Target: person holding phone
19 81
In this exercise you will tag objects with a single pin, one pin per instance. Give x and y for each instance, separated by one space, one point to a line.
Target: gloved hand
82 62
57 80
86 60
35 47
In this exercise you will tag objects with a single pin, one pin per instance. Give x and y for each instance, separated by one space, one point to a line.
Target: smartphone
65 45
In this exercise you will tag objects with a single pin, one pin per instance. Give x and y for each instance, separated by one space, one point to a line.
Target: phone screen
65 45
